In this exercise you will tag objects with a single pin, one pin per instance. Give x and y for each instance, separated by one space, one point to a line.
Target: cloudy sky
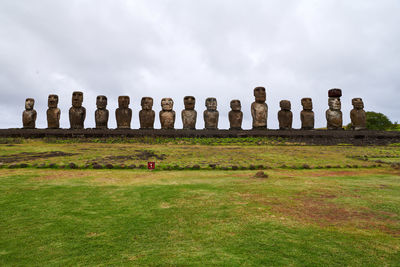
207 48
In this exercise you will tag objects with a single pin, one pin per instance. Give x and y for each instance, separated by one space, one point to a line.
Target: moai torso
189 115
101 113
307 115
285 116
334 116
211 114
29 115
259 109
358 115
77 113
123 113
235 116
147 115
167 115
53 112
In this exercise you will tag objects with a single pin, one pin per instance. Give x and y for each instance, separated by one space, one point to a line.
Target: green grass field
328 215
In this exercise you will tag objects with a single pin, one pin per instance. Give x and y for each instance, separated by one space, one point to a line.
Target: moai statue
357 115
235 115
285 116
29 115
167 115
77 113
307 115
101 113
147 115
211 114
259 109
189 115
53 112
334 116
123 113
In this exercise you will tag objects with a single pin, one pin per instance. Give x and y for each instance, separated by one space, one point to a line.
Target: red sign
151 165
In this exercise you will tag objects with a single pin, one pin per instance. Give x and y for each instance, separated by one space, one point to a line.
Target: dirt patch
25 156
139 155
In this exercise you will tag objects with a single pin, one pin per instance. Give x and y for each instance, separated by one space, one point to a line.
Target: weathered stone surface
29 115
358 115
335 92
189 115
334 116
211 114
77 113
147 115
307 115
101 113
53 112
123 113
167 114
285 116
259 109
235 115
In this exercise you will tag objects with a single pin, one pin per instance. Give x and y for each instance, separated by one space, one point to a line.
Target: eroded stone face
235 115
334 116
53 112
189 115
285 116
29 115
146 115
307 115
167 114
259 109
123 113
167 104
211 115
358 115
101 114
77 113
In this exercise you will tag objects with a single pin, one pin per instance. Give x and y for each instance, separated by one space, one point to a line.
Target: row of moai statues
259 112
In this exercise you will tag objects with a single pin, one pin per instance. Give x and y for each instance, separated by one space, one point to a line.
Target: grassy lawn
86 217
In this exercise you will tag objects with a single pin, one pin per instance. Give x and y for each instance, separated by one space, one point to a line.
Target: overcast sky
204 48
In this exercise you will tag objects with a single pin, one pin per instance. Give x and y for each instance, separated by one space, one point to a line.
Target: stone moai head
101 102
77 99
260 95
52 101
285 105
235 105
357 103
146 103
307 103
189 102
123 101
29 103
334 99
167 104
211 104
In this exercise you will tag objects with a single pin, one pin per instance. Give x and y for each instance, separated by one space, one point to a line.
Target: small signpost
151 165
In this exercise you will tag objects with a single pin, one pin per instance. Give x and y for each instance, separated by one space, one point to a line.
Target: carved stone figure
358 115
334 116
235 115
29 115
285 116
53 112
147 115
211 114
307 115
77 113
167 115
259 109
189 115
101 113
123 113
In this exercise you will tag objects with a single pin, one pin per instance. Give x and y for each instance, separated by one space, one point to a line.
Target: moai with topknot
211 114
307 115
29 115
77 113
334 115
101 114
358 115
259 109
285 116
147 115
189 115
53 112
123 113
167 114
235 115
